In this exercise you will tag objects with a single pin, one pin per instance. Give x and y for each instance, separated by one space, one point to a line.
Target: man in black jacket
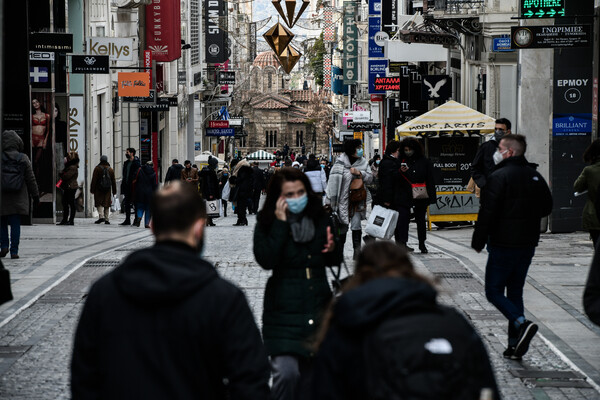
483 163
515 199
174 171
164 325
130 169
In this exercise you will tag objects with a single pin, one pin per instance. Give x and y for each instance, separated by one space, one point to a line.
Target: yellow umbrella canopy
449 119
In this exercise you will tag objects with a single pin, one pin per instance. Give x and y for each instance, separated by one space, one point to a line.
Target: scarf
302 226
336 176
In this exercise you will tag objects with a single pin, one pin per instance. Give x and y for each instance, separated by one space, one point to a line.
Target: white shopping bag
382 223
226 191
116 204
213 208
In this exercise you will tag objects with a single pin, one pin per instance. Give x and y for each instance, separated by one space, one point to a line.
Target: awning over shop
202 159
260 155
449 119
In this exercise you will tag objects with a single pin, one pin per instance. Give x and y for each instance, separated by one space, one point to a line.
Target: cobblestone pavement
35 342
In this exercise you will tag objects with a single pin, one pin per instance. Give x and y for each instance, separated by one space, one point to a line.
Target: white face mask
499 156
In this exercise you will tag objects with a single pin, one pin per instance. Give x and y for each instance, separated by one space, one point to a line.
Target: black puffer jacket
393 189
483 163
209 183
164 325
420 170
515 199
591 295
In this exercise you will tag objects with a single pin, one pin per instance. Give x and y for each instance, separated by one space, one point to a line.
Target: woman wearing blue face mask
293 238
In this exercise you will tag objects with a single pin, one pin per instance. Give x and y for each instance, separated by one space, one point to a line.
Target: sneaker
526 332
101 220
509 353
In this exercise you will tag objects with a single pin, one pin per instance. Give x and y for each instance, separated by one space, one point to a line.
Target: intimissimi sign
216 50
163 29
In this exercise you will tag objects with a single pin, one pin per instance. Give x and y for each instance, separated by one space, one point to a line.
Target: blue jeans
141 209
506 270
15 232
292 378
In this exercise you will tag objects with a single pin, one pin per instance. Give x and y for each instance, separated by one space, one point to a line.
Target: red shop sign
218 124
163 29
376 97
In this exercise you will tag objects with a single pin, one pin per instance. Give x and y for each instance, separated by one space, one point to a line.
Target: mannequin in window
40 129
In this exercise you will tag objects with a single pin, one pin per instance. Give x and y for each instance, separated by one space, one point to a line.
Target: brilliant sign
542 8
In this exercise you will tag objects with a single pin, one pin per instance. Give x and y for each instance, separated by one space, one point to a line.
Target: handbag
358 192
226 191
5 291
419 190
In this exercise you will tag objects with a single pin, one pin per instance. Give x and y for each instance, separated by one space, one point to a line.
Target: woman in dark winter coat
69 186
386 337
241 188
293 238
102 191
418 169
145 184
210 184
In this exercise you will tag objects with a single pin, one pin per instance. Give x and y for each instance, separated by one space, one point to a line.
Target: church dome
266 58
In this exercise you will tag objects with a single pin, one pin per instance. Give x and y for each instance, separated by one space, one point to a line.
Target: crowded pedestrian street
51 280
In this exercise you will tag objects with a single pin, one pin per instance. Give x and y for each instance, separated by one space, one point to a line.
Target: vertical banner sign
77 133
375 51
163 29
328 25
215 51
350 57
337 81
374 7
327 71
376 70
389 16
148 64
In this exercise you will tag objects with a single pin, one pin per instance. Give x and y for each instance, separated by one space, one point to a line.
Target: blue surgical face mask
322 165
359 153
298 204
378 161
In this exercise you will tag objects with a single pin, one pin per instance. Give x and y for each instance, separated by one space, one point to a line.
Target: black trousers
127 206
401 232
255 200
420 209
68 204
240 208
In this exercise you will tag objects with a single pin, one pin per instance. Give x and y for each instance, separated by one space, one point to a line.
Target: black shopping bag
5 292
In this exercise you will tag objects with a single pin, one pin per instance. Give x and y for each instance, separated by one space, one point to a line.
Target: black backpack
424 354
105 181
13 173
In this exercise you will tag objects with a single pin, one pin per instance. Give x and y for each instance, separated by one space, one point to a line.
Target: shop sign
56 42
387 83
41 56
376 70
149 99
350 55
501 44
375 45
163 29
226 78
218 124
162 104
215 48
363 126
134 84
220 132
84 64
535 9
118 49
551 36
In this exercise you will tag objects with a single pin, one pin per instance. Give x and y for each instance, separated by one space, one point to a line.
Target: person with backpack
103 186
18 186
387 337
346 192
145 184
69 187
293 238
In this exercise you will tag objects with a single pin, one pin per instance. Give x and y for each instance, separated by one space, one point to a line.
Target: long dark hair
413 144
314 208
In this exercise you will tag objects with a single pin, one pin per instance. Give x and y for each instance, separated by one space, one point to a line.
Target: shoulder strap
404 176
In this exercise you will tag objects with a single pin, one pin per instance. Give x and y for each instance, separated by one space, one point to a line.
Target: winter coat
102 198
258 179
393 189
209 184
515 199
338 187
192 173
164 325
483 163
241 181
130 169
17 203
295 297
339 368
420 170
69 175
145 185
174 173
318 180
589 180
591 295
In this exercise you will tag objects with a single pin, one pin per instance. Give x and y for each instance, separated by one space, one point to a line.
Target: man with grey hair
515 199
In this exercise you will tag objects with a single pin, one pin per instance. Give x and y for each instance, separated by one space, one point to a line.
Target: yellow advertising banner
134 84
358 135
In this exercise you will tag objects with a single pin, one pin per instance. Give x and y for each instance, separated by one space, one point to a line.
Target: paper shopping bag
382 223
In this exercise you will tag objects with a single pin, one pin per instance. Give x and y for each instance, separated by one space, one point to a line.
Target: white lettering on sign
572 82
562 29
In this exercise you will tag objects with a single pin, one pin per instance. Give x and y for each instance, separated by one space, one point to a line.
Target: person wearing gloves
293 238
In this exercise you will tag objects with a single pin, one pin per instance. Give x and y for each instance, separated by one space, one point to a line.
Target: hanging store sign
363 126
149 99
551 36
389 16
444 39
436 87
55 42
387 83
226 78
41 56
374 7
163 29
375 49
535 9
218 124
216 43
350 56
117 49
134 84
220 132
162 104
376 70
89 64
